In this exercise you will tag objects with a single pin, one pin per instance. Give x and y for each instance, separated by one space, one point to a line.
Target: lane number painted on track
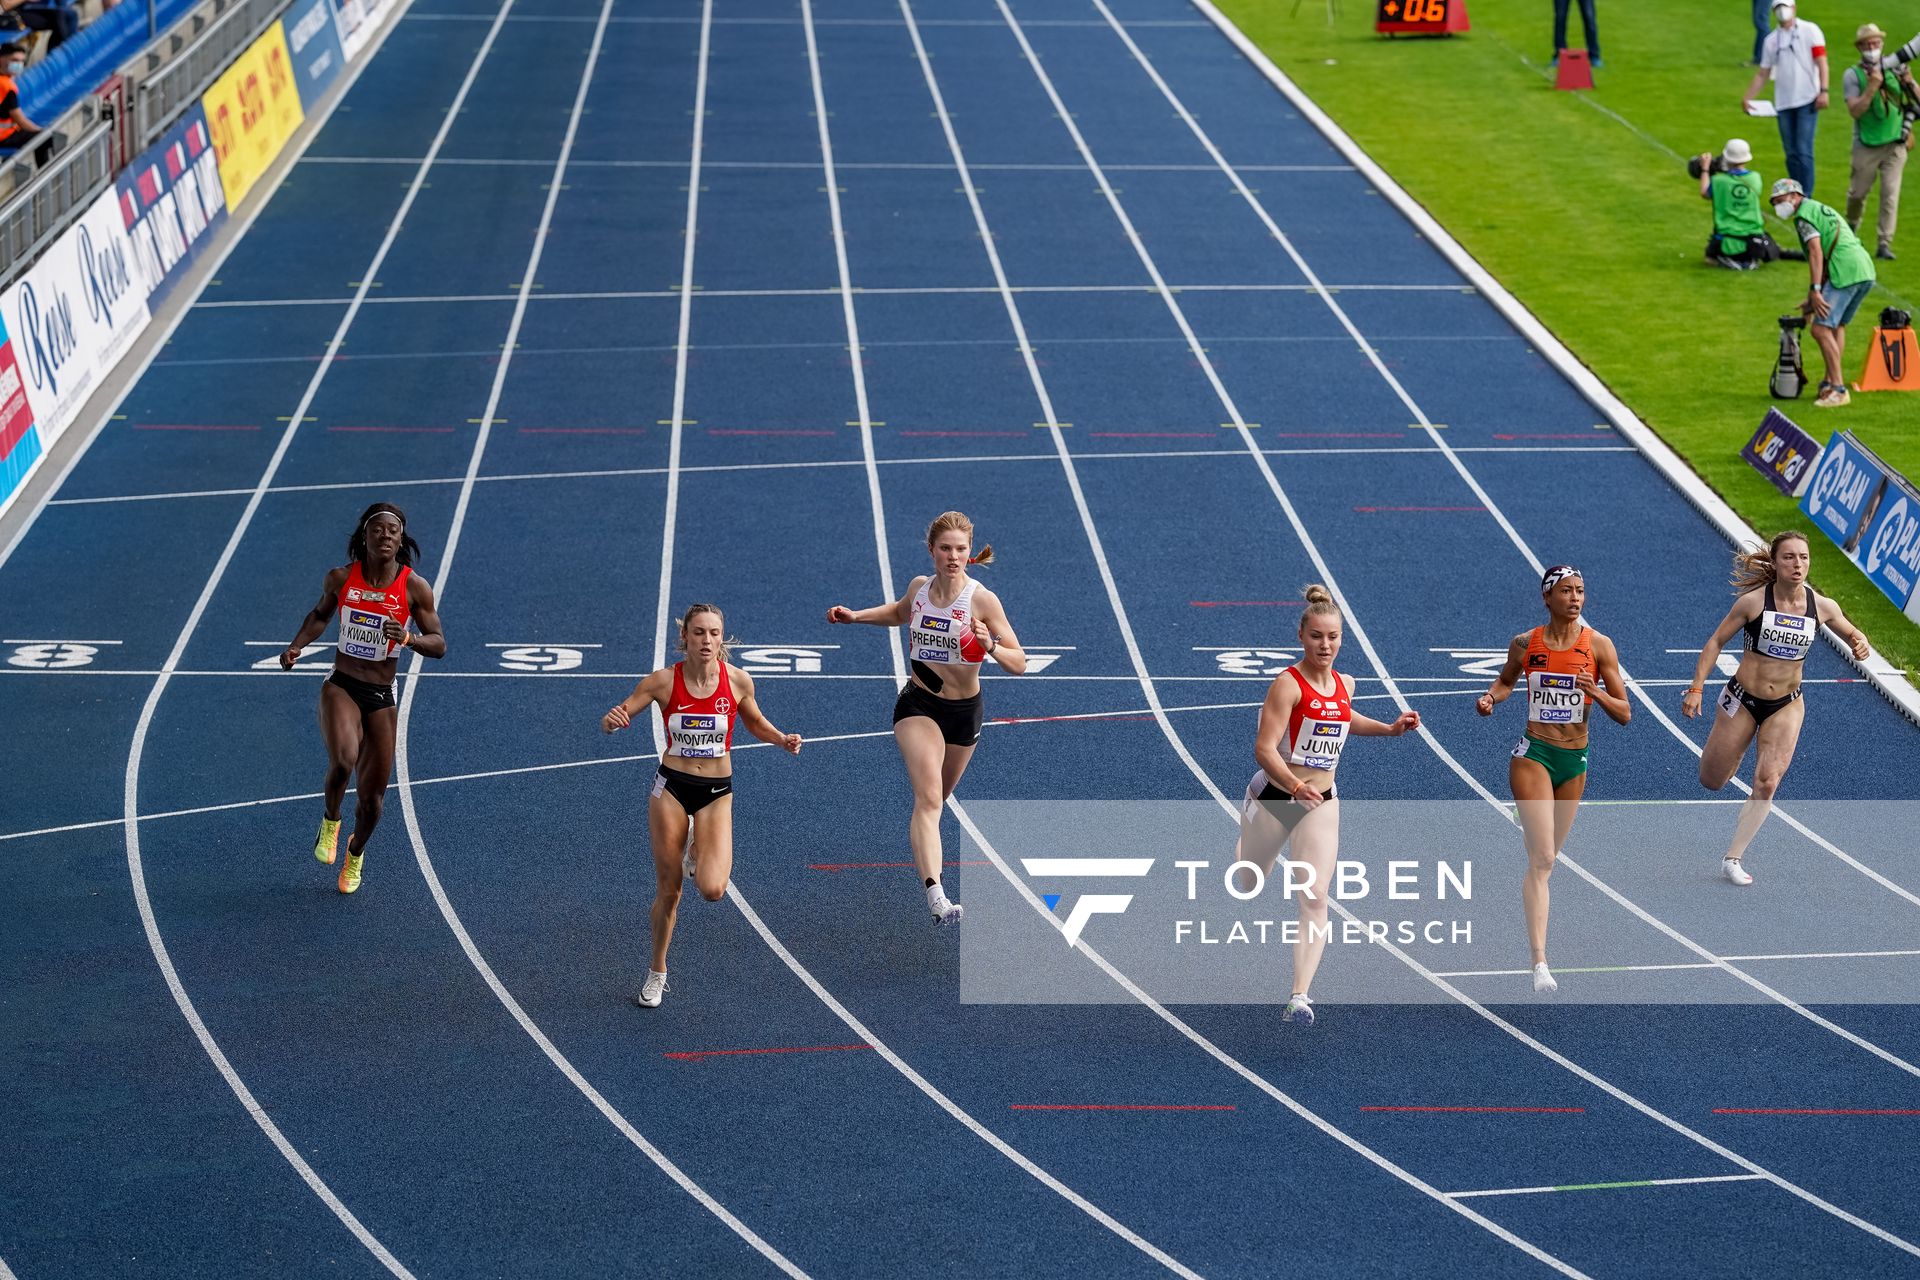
1477 662
782 659
1251 662
55 655
542 658
272 661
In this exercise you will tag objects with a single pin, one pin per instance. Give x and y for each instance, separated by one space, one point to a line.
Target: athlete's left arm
1368 727
1613 698
429 642
995 633
755 719
1830 616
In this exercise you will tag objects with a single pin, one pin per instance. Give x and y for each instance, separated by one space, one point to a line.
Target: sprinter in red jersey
1566 666
374 596
1290 801
690 815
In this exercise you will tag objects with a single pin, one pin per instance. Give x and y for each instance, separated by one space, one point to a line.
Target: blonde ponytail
1753 565
951 521
680 625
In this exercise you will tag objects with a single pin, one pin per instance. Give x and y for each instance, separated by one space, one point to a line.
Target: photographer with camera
1841 276
1882 101
1738 241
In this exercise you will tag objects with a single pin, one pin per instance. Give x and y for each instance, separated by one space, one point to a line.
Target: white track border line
408 809
1885 677
1628 1185
1313 552
131 793
1159 711
1517 540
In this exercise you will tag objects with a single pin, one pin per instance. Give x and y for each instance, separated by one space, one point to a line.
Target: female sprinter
699 698
374 596
953 623
1548 771
1781 615
1304 724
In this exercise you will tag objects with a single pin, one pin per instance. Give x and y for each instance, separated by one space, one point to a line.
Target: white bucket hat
1737 151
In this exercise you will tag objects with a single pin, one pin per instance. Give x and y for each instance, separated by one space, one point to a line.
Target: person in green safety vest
1738 240
1841 276
1881 101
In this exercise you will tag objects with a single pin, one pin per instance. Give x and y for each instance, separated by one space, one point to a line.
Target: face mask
1783 209
1871 57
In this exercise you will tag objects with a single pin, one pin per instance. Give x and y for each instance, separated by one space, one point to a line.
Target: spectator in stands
1842 275
1587 26
58 20
1795 55
1739 241
16 130
1878 101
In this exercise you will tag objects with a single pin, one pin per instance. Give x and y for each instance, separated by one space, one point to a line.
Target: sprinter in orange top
1567 666
690 814
374 596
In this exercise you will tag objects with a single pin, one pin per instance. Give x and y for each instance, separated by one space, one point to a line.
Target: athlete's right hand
616 718
289 657
1690 703
1307 798
839 613
1484 705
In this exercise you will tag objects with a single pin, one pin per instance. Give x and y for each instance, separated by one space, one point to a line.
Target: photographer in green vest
1882 101
1738 241
1841 274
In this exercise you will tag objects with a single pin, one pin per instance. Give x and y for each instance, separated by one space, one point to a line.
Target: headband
1557 574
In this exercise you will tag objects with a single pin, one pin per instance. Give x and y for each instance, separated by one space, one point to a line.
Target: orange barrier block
1893 362
1575 71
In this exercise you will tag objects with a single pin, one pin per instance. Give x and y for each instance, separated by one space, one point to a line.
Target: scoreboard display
1412 17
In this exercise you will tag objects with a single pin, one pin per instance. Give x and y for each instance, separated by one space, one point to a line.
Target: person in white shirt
1795 56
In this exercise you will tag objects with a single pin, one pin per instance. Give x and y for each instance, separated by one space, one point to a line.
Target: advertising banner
171 201
1889 550
19 442
356 20
74 314
1782 452
1843 483
252 109
313 42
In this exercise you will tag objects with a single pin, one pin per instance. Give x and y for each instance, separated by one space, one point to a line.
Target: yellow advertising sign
252 110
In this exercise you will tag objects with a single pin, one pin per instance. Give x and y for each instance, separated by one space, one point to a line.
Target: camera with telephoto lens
1717 164
1906 55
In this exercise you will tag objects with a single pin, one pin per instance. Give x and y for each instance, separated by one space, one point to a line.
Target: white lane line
594 762
1146 683
492 163
402 738
1610 1186
136 866
1520 543
1652 968
1307 543
1117 455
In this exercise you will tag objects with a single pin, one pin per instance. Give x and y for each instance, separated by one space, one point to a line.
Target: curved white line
401 741
136 866
1322 567
1518 541
1147 688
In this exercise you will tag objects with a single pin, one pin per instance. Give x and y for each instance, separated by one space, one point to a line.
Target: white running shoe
651 991
1732 870
944 911
1543 983
687 860
1299 1010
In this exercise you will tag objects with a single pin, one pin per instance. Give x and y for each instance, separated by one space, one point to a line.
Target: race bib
1786 636
1319 744
363 634
1519 752
1729 702
697 737
1554 698
936 640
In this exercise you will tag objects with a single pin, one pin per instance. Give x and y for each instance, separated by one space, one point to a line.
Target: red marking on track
583 431
695 1055
1227 604
192 426
1153 435
1528 1111
434 431
1816 1111
764 431
1051 719
1544 435
863 866
1121 1106
1378 509
960 433
1340 435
